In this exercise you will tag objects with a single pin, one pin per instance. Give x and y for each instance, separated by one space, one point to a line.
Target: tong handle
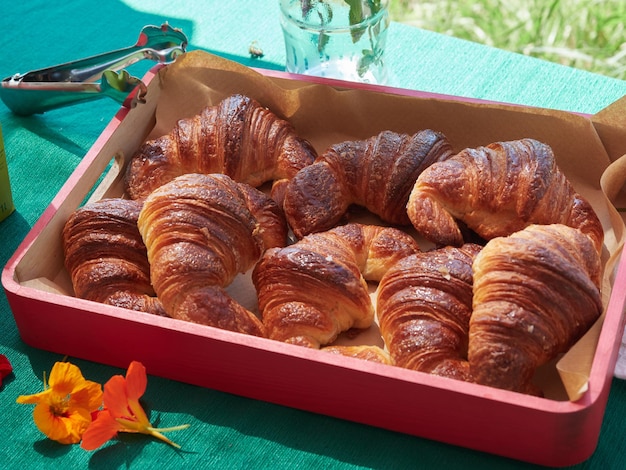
73 82
161 44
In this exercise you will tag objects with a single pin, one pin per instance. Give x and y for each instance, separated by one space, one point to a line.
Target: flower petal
65 377
104 428
34 399
115 398
67 429
88 396
139 413
136 380
78 422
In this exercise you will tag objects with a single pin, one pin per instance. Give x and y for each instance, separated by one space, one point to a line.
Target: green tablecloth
229 431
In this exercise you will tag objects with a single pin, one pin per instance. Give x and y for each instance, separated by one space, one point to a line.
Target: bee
255 51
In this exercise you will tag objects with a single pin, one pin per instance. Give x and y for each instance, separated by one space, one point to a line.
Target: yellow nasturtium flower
63 410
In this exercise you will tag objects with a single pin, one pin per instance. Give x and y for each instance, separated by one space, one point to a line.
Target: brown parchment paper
610 124
330 114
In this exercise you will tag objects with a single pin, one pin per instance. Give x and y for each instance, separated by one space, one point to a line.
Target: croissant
200 232
237 137
311 291
497 190
377 173
535 293
424 305
366 352
106 257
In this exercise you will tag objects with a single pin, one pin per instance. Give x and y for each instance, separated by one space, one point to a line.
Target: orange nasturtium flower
63 410
122 411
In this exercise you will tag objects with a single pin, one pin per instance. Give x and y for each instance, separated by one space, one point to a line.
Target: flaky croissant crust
313 290
200 232
365 352
535 293
237 137
106 257
424 304
377 173
497 190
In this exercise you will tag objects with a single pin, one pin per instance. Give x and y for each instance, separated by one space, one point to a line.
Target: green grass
586 34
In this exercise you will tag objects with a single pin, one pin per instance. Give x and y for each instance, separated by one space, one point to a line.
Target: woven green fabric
229 431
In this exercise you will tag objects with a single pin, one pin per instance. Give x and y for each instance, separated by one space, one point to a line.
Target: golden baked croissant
424 304
497 190
311 291
200 232
366 352
106 257
377 173
535 293
237 137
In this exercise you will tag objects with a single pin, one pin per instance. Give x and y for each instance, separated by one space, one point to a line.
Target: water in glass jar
326 45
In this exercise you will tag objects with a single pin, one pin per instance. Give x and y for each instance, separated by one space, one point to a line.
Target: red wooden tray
540 430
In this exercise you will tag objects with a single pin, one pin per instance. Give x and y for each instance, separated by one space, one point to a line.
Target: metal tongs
94 77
